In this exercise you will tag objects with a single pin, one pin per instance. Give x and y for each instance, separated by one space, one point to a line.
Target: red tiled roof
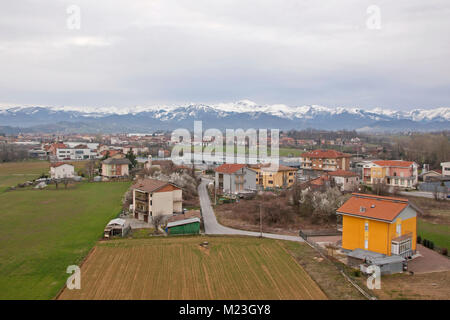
393 163
324 154
343 173
111 152
59 146
57 164
229 168
375 207
81 146
150 185
320 181
268 165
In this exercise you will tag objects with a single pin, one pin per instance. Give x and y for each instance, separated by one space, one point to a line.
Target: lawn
438 233
12 173
44 231
179 268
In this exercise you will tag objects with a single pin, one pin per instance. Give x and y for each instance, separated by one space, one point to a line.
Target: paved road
214 227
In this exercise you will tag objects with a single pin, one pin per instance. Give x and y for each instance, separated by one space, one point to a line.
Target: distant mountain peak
243 113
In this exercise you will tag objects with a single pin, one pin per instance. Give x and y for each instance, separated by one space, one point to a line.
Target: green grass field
179 268
438 233
12 173
44 231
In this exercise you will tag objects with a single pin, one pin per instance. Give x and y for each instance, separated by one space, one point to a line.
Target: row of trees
11 152
430 148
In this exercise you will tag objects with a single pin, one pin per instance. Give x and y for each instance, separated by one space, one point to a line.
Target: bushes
428 244
356 273
444 251
419 239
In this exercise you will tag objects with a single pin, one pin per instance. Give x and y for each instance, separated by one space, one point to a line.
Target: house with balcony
233 178
278 177
394 173
115 167
325 160
386 225
153 197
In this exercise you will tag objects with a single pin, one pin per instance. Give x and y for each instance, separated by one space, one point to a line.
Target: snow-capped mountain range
241 114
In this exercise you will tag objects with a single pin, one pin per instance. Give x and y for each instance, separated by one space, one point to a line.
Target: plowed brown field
179 268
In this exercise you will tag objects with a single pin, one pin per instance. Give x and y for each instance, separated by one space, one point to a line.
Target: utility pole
260 220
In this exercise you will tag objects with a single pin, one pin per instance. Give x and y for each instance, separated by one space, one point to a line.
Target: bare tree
157 221
90 169
380 189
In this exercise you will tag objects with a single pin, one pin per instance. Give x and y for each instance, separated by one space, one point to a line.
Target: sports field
44 231
179 268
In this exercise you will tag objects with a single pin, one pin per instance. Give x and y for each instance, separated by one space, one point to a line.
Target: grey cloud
269 51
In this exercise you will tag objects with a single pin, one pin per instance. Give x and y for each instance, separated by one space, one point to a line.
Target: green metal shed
186 226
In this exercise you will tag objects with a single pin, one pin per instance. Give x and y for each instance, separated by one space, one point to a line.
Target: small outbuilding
186 226
387 265
362 259
116 227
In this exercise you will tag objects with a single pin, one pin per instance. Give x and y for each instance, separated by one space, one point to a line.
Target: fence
324 254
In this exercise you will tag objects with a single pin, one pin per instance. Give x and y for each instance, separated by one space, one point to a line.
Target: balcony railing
141 197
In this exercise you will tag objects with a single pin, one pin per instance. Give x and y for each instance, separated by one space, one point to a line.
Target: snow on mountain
243 113
243 106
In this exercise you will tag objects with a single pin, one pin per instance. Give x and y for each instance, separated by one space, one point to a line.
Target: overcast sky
296 52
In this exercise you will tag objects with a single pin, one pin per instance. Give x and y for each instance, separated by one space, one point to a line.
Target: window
399 229
366 244
366 226
270 182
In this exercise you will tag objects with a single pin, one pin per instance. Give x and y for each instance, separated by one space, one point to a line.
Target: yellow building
386 225
282 177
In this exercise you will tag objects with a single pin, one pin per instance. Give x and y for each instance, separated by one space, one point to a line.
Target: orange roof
229 168
111 152
373 207
343 173
58 146
268 165
320 181
325 154
57 164
152 185
393 163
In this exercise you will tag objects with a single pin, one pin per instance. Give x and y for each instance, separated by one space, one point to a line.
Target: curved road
213 227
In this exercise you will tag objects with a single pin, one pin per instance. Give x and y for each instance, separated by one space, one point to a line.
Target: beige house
61 170
153 197
345 180
115 167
